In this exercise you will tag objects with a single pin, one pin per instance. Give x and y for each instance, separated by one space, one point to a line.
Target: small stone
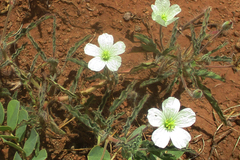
127 16
237 34
137 28
66 41
237 45
49 30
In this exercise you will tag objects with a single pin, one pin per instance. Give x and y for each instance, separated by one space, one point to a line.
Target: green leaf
13 145
20 132
104 100
157 79
34 43
17 156
202 33
42 94
209 74
32 25
212 101
31 142
174 33
136 132
41 156
79 62
168 153
78 44
223 58
122 97
5 63
134 114
110 121
37 147
170 86
96 153
23 115
177 153
12 113
116 77
143 66
9 137
97 75
167 50
84 118
2 114
5 128
76 79
147 43
4 92
194 40
18 51
34 61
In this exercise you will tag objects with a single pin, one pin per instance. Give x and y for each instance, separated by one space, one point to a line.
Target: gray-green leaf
31 142
12 113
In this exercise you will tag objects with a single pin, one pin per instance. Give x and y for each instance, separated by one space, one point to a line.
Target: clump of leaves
17 135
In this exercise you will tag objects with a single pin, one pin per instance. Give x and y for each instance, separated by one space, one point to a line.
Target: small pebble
237 45
137 28
66 41
127 16
237 34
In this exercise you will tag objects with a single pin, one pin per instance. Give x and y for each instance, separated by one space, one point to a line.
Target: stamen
105 55
169 124
164 17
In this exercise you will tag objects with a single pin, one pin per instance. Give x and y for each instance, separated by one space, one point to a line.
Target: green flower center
105 55
169 124
164 17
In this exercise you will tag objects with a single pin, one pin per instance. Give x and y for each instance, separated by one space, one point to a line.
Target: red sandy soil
78 18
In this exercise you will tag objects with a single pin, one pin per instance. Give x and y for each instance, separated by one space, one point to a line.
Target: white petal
180 137
159 20
118 48
155 117
155 12
172 20
162 5
92 50
170 107
161 137
114 63
96 64
185 118
105 41
173 11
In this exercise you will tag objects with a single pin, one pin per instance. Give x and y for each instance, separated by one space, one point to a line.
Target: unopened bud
227 25
197 93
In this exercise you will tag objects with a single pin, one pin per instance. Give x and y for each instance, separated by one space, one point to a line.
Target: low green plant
18 135
181 65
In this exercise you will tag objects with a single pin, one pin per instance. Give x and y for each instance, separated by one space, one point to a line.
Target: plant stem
210 41
228 66
185 86
182 28
104 150
3 35
161 37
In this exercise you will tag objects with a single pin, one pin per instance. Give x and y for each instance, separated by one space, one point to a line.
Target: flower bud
197 93
227 25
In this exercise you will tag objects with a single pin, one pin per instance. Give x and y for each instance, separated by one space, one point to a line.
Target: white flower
163 13
170 123
106 54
